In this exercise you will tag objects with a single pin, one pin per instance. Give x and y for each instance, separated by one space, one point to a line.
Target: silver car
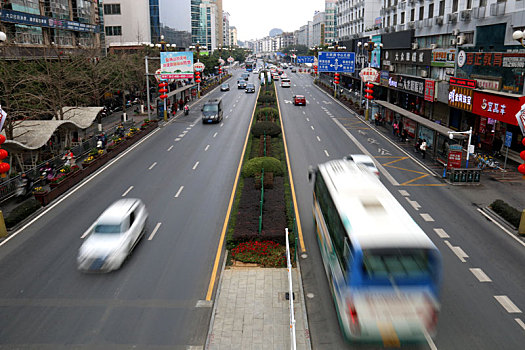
114 235
367 161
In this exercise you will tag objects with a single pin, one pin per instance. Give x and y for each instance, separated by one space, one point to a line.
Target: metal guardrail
293 344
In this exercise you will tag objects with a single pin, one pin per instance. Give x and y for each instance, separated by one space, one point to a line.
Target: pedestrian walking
396 128
417 145
423 148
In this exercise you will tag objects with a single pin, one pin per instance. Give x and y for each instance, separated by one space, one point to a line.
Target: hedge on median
510 214
269 164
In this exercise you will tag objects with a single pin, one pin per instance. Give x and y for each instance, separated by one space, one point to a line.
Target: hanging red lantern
4 168
315 69
336 78
521 168
3 154
2 139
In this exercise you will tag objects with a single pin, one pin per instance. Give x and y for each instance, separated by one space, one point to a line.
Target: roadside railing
293 343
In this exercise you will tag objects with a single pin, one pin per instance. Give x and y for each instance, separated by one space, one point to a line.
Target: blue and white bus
383 270
250 65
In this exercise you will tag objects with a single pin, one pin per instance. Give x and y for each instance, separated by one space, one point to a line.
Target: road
482 291
184 172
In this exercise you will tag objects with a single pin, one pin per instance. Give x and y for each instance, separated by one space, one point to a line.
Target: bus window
397 263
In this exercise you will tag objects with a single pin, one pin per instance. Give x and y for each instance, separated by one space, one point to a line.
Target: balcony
498 9
479 12
452 17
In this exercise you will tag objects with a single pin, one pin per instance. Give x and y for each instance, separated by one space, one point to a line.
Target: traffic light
369 91
336 78
163 90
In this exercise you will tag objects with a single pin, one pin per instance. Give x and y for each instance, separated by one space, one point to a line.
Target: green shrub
267 113
255 165
21 212
266 128
266 99
510 214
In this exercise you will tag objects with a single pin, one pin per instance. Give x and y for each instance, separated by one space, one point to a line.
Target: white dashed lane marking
404 193
178 139
318 139
507 304
154 231
152 166
441 233
458 251
195 166
215 135
179 192
127 191
326 152
426 217
205 149
170 148
480 275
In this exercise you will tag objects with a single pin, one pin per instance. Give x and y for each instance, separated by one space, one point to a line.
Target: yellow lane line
414 179
230 204
292 187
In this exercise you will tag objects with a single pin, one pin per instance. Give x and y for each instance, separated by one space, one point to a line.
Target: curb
214 309
500 220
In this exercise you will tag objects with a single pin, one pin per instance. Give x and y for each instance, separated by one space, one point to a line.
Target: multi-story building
305 34
181 38
129 25
226 29
318 28
32 27
287 39
233 36
206 23
330 10
446 65
355 16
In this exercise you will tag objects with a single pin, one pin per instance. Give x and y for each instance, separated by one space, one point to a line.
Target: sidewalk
251 310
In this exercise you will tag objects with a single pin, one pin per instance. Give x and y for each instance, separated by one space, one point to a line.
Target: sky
253 18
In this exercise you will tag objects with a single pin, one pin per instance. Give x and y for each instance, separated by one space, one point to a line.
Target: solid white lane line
480 275
195 166
507 304
458 251
154 231
214 135
426 217
441 233
326 152
178 139
318 139
312 127
404 193
430 342
179 191
152 165
503 228
520 322
88 230
127 191
206 148
414 204
169 149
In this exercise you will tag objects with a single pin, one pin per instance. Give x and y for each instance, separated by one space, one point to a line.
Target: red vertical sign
430 88
454 159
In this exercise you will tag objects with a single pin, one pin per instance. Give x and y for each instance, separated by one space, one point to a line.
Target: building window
469 4
113 31
455 6
395 19
412 15
482 3
112 9
430 10
421 12
388 21
442 8
402 18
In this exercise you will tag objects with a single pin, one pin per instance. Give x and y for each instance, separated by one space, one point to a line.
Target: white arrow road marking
480 275
507 304
458 251
127 191
154 231
383 152
441 233
361 132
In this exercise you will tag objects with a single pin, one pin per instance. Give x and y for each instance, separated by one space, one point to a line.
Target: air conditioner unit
464 15
424 73
453 42
392 69
455 32
427 22
433 46
438 20
415 46
411 24
479 12
460 39
452 17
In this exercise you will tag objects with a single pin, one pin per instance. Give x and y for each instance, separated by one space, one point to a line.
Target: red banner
466 83
430 90
454 159
497 107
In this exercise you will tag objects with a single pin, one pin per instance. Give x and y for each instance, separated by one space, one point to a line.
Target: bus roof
372 217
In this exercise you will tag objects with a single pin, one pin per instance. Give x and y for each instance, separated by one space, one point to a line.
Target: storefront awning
420 120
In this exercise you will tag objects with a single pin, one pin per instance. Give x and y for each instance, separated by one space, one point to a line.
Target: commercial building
318 29
330 10
36 28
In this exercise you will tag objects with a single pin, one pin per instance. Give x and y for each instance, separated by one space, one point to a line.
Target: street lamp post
163 46
336 48
316 49
469 132
368 46
519 36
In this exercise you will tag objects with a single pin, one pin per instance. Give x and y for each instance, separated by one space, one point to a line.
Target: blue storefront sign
508 139
305 59
30 19
337 62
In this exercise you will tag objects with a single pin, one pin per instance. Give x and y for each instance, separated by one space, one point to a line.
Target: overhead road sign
341 62
305 59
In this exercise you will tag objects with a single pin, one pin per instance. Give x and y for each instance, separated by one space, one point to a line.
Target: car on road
225 87
294 70
241 84
250 88
275 77
299 100
245 76
113 236
285 83
212 111
365 160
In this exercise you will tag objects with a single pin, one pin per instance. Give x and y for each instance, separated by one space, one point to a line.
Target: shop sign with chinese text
454 159
497 107
417 57
488 84
443 58
460 97
466 83
430 90
369 74
413 85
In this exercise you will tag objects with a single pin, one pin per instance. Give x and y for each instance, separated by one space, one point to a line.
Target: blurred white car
367 161
114 235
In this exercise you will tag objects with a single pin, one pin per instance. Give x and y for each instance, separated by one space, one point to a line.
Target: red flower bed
266 253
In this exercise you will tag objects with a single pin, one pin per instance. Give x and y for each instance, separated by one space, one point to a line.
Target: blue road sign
336 62
508 139
305 59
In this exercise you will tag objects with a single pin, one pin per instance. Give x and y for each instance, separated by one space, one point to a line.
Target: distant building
181 38
275 32
233 36
225 29
330 33
318 29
